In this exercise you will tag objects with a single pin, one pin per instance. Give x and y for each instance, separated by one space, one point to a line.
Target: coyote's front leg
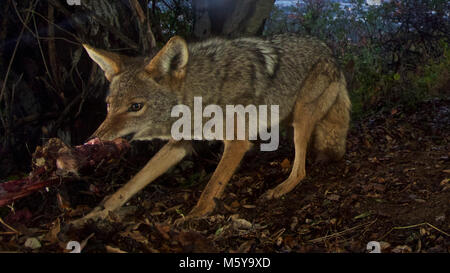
172 153
233 153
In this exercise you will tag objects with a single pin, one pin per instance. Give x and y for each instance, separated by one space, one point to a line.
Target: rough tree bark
230 18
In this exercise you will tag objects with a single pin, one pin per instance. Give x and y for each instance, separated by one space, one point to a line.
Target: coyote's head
142 92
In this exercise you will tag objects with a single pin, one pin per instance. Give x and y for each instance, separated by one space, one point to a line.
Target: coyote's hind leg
316 97
302 133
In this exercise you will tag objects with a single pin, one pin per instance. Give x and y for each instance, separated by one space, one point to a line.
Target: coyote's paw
276 192
195 214
280 190
268 195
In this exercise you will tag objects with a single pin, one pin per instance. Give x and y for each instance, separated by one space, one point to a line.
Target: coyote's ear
171 60
110 63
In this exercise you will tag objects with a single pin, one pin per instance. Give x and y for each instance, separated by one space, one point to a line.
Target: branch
144 23
124 38
15 49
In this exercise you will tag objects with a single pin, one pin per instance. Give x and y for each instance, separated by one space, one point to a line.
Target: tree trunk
230 18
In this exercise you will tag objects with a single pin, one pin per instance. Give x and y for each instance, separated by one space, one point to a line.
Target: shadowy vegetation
397 52
49 87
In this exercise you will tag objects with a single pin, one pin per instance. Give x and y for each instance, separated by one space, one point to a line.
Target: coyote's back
252 70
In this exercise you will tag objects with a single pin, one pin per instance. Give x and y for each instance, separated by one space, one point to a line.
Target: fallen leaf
235 204
362 215
333 197
384 246
111 249
402 249
241 224
285 164
32 243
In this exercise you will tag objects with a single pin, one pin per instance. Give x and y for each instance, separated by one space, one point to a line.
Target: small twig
8 70
278 234
33 118
58 27
340 233
13 94
36 36
60 8
144 23
137 7
5 120
85 241
9 227
59 38
66 111
40 49
85 89
4 29
52 48
7 233
46 38
414 226
113 30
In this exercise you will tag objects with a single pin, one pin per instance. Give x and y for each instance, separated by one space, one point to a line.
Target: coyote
297 73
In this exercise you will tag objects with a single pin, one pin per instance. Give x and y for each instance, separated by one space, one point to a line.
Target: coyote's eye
135 107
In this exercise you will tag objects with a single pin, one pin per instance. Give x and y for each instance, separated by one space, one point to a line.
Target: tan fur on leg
233 153
323 80
172 153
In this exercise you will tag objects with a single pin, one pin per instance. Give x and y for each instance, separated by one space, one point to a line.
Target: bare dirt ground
393 186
